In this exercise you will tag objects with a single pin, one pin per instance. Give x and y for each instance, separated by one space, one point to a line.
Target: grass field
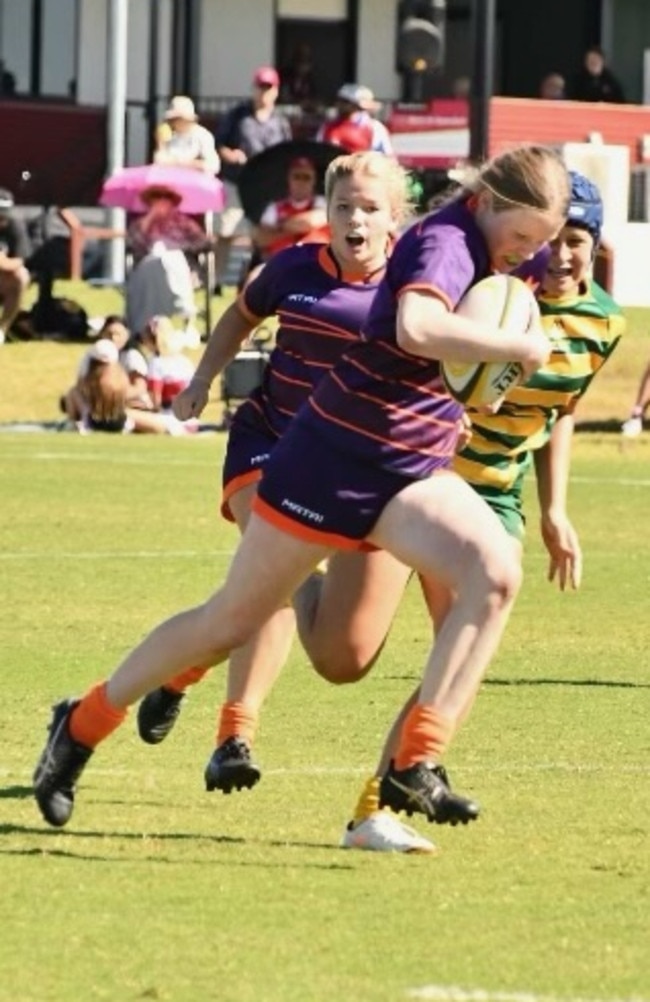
157 890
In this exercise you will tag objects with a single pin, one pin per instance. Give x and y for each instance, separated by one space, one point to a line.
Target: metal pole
116 65
484 18
152 103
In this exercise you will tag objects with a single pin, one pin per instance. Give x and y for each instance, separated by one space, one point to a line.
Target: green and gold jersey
584 330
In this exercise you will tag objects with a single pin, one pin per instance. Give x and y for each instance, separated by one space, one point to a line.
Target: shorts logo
261 458
300 297
302 512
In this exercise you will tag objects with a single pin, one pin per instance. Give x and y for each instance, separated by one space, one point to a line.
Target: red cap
267 75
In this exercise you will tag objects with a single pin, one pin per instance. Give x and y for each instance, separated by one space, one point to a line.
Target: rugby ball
500 301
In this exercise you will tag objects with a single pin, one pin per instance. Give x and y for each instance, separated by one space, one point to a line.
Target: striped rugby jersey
320 315
386 406
584 330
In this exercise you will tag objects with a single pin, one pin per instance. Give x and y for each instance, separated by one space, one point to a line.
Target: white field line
449 993
155 460
51 555
141 459
117 555
617 481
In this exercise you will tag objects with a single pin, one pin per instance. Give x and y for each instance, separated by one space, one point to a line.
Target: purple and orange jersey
381 403
320 315
381 417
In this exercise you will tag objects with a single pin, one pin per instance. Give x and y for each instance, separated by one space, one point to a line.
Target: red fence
437 135
52 154
519 120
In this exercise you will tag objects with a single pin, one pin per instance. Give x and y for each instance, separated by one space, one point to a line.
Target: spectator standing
181 141
354 126
595 81
249 128
14 250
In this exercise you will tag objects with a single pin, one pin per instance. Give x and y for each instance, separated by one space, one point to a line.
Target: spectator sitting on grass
102 399
115 333
169 372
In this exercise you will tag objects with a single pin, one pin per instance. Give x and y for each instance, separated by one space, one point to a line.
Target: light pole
117 47
483 30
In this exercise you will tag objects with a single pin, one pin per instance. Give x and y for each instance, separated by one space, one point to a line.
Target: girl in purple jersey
366 464
321 296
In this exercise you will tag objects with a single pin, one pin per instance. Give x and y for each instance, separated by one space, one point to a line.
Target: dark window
38 48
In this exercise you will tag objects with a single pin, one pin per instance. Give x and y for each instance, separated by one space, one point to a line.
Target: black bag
62 318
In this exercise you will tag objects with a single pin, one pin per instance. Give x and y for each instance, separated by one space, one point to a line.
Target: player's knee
504 576
229 629
345 665
491 573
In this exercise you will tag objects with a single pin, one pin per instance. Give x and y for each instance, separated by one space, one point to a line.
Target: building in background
53 65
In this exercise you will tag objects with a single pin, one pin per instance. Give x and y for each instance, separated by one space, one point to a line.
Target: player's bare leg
446 532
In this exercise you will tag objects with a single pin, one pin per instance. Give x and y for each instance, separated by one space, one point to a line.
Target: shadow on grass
608 426
226 840
15 792
596 683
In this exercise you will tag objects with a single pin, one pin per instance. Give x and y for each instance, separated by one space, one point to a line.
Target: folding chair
246 371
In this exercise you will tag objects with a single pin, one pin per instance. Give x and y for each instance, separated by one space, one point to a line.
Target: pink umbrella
199 191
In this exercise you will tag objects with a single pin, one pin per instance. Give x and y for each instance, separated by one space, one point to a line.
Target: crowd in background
164 243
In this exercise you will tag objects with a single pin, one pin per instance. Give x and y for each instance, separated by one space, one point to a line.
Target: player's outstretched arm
226 339
552 466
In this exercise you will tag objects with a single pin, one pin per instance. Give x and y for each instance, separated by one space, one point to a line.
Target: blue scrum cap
586 205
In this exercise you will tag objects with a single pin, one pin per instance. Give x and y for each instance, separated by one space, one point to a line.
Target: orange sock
236 720
94 718
425 735
186 678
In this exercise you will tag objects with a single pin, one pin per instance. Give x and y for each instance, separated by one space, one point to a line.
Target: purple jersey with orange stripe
381 403
320 315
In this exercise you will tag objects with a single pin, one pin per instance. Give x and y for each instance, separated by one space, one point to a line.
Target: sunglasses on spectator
301 176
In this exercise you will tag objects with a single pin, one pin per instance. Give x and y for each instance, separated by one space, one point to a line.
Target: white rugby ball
500 301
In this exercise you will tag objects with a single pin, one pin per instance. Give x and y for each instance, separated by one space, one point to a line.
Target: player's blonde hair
528 177
377 165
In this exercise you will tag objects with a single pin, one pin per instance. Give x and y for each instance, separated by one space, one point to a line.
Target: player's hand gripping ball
498 301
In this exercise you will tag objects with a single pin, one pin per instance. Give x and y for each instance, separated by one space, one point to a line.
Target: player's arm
232 329
552 466
427 327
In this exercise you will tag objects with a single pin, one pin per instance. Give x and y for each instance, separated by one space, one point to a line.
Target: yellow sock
368 802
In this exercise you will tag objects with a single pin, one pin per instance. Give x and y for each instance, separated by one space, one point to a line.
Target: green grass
157 890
